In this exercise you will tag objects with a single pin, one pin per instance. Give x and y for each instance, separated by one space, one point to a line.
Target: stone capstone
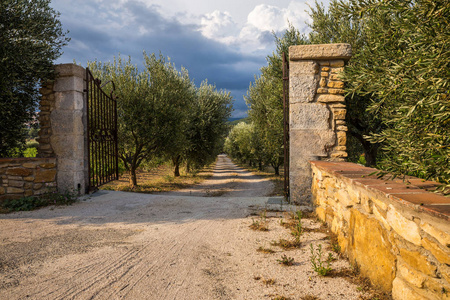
320 52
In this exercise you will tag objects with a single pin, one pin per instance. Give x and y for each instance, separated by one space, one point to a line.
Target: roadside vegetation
35 202
160 179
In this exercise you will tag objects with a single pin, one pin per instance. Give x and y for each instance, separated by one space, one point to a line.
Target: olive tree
31 38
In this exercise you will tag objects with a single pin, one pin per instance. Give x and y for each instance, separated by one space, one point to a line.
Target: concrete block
307 144
309 116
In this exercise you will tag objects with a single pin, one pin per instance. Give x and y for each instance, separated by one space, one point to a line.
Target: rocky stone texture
63 133
397 233
20 177
316 112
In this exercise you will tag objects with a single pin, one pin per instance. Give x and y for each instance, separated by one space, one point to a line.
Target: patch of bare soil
190 244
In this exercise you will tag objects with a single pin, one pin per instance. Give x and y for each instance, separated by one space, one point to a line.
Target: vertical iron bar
116 139
286 126
88 128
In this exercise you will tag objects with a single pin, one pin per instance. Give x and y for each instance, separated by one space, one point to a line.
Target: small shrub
316 261
34 202
269 281
285 260
285 244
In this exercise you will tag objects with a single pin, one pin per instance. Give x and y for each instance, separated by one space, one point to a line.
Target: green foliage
34 202
285 260
206 126
336 26
162 115
319 266
265 101
31 38
404 69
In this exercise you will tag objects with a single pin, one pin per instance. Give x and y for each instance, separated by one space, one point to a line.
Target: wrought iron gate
102 133
286 125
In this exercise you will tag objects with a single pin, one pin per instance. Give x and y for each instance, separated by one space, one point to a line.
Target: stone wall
316 112
20 177
397 232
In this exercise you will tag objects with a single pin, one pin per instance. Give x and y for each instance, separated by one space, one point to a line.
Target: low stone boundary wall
396 232
21 177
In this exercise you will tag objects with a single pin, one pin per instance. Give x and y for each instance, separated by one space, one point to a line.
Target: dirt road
180 245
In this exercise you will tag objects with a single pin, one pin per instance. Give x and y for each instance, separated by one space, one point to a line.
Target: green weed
320 267
285 260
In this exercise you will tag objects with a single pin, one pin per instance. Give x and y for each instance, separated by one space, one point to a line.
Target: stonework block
412 276
2 190
30 165
64 84
28 193
441 236
16 183
322 91
342 128
64 70
305 145
369 245
337 63
323 82
339 114
47 165
337 70
309 116
72 100
45 175
336 84
418 262
14 190
442 255
330 99
301 68
407 229
302 88
18 172
324 74
402 291
341 138
336 91
335 77
320 52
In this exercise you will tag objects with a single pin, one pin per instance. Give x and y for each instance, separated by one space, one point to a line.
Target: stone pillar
316 112
66 127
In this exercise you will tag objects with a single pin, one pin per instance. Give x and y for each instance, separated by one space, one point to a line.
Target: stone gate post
316 112
63 121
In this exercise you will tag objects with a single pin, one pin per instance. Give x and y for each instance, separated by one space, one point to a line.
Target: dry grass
159 179
269 281
265 250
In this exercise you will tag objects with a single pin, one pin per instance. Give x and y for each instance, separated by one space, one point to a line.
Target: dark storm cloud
103 32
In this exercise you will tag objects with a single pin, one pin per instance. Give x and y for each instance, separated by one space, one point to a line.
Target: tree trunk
176 163
370 153
260 167
133 178
277 170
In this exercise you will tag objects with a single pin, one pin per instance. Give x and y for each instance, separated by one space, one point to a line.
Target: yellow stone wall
402 246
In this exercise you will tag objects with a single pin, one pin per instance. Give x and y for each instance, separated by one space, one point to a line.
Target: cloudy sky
224 41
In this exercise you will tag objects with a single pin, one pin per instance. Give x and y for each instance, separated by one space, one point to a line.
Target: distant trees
31 38
265 101
162 114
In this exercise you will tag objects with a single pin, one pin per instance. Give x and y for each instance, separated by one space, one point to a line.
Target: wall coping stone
415 195
320 52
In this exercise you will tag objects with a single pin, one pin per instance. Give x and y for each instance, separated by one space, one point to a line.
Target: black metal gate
286 125
102 133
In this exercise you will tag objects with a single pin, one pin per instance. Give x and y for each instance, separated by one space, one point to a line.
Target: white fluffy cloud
261 22
219 26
